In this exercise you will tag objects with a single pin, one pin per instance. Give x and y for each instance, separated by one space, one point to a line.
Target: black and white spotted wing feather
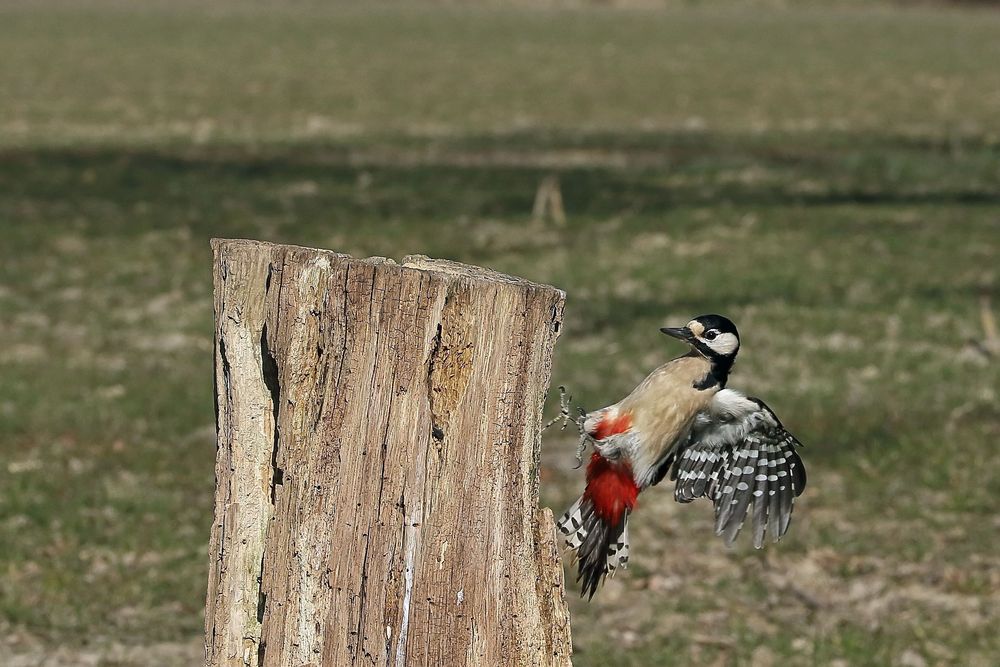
741 458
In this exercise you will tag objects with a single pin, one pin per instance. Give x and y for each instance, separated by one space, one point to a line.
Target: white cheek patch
726 343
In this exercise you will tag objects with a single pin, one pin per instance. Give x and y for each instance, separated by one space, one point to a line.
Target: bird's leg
565 416
564 410
585 438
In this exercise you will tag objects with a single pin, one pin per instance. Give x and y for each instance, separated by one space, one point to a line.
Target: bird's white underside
731 416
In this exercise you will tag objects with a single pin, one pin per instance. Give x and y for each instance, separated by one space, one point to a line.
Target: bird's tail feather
601 548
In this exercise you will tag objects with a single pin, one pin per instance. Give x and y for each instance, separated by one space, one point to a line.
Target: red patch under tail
596 524
610 488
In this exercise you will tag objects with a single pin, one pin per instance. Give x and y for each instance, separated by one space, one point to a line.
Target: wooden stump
377 471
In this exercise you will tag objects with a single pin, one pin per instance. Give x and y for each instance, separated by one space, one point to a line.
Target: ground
828 178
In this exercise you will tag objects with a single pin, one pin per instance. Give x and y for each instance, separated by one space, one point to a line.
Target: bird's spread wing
740 456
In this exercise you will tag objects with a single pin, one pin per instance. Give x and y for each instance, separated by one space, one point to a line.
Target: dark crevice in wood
261 608
269 370
437 432
359 633
261 605
321 398
226 372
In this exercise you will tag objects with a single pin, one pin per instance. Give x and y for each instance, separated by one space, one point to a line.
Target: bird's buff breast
664 406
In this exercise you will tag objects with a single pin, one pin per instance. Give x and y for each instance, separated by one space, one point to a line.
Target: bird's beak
680 333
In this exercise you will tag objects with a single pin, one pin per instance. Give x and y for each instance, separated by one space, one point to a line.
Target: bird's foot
585 440
566 417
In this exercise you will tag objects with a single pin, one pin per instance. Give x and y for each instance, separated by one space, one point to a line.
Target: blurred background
827 174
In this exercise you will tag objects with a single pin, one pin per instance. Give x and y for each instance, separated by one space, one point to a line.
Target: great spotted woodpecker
714 442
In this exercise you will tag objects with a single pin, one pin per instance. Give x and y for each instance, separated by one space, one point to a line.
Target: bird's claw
585 438
566 417
564 410
581 447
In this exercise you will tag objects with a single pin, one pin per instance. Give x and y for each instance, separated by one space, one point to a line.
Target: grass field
829 178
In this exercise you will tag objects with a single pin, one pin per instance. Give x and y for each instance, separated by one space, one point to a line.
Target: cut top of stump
424 263
419 262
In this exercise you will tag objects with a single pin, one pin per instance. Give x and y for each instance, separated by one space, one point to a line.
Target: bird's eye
711 334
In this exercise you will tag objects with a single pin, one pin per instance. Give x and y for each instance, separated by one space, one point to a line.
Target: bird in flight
714 443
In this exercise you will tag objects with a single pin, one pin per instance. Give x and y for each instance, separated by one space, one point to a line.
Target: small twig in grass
991 339
704 640
548 199
807 598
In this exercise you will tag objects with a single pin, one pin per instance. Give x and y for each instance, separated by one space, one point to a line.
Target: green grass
840 200
308 71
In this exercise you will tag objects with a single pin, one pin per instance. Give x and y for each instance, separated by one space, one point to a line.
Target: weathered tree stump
377 471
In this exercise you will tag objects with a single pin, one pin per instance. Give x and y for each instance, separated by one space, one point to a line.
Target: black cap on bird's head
713 336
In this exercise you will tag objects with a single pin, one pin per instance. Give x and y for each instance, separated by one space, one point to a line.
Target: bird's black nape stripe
718 374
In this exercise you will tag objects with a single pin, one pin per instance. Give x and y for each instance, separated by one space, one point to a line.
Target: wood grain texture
377 470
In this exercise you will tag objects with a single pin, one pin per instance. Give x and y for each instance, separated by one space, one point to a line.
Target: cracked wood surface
377 467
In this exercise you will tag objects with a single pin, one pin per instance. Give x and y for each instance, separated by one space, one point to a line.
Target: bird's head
713 336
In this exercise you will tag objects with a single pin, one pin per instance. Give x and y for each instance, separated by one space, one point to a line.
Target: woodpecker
714 443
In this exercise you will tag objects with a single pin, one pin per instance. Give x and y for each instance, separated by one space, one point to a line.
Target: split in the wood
272 380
